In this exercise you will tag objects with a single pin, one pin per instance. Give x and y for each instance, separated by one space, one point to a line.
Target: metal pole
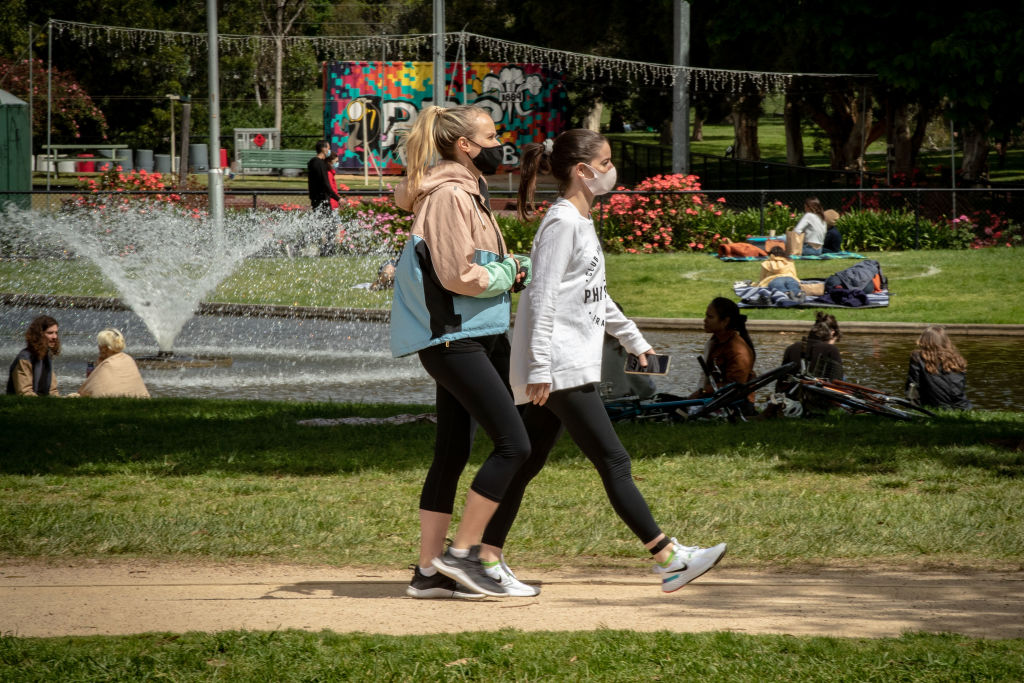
49 104
863 130
439 79
952 164
680 89
465 74
216 174
31 89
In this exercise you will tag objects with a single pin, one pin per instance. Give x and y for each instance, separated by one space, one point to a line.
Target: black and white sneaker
437 587
468 571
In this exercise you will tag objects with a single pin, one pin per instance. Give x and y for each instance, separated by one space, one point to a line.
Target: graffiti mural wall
379 101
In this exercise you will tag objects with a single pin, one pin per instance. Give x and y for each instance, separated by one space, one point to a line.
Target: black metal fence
933 204
636 161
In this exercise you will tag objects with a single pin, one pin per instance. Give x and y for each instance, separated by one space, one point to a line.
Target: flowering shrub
73 113
739 225
873 230
124 185
645 223
372 226
990 229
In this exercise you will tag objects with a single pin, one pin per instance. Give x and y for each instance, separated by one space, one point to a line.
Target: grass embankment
946 287
176 479
229 480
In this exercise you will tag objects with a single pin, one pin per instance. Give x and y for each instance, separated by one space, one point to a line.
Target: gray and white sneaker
504 575
469 571
687 563
437 587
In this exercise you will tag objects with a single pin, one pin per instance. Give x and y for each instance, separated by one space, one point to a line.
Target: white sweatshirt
562 316
813 228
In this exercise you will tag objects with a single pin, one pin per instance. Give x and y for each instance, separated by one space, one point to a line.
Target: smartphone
656 365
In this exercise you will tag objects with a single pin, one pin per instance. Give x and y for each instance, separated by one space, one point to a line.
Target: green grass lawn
604 655
223 481
944 287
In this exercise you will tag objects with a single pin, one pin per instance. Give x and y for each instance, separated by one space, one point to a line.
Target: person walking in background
556 349
321 190
812 226
31 373
452 306
937 376
332 179
729 353
116 373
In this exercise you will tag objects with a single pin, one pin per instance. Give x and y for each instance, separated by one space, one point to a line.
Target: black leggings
472 388
580 411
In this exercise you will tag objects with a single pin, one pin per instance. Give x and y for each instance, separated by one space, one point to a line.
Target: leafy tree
74 117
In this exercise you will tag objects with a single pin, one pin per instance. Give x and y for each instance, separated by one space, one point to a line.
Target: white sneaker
687 563
515 588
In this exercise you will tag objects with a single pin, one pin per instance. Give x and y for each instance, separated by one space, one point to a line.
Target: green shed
15 150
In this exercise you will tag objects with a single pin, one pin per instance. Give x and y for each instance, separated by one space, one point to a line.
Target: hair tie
549 145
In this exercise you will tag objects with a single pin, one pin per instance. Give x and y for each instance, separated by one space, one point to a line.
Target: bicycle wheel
855 404
877 396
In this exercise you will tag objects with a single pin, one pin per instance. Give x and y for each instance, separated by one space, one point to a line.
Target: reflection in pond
326 360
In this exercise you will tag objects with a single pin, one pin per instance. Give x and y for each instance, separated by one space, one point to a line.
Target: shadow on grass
192 436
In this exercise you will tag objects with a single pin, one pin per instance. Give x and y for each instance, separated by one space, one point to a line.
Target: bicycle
855 398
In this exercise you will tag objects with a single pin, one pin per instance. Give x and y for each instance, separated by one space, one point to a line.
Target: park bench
78 153
254 159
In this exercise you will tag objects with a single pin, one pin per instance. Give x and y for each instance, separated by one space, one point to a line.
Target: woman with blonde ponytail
451 307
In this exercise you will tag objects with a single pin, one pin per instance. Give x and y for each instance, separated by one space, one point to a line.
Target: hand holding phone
657 364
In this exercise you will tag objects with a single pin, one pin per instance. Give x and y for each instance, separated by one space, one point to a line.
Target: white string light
412 46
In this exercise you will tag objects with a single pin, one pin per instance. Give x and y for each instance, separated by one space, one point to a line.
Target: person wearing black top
320 190
817 352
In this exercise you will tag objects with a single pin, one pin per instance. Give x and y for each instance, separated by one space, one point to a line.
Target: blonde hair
111 339
938 352
433 136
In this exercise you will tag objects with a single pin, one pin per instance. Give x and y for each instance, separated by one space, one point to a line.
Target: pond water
327 360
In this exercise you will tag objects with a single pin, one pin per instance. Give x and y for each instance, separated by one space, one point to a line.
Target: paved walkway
95 598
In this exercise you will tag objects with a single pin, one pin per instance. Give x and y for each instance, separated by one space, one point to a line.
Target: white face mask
601 183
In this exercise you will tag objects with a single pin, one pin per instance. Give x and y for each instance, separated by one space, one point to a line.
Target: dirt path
134 597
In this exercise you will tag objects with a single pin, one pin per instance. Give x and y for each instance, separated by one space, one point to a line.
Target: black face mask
488 160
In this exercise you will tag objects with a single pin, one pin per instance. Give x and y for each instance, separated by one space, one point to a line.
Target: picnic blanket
752 296
820 257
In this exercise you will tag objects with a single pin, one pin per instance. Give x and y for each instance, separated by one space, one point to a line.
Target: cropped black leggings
581 412
472 388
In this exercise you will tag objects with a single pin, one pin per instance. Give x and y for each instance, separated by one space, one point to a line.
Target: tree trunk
794 136
974 167
745 111
592 121
698 129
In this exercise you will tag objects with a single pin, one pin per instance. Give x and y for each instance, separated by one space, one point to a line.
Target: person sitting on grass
31 373
938 373
833 239
116 373
817 352
729 352
812 226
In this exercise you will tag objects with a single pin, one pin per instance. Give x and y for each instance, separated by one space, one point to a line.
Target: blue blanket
822 257
752 296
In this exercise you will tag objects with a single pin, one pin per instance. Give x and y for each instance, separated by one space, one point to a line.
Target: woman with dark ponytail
557 344
730 350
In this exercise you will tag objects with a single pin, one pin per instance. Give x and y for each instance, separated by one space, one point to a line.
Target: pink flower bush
644 224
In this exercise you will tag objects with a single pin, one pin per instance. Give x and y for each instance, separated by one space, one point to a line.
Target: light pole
172 99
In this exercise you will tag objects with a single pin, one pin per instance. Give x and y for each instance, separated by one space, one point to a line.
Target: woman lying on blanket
779 272
729 351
